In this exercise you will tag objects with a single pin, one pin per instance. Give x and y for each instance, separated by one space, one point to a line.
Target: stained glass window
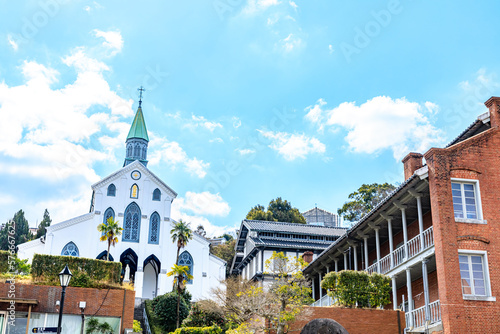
157 195
134 191
154 228
185 259
109 213
111 190
132 224
70 250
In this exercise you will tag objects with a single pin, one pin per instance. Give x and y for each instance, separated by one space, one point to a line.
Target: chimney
493 104
308 256
412 162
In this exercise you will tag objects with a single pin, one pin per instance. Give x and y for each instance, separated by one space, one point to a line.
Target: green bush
19 267
88 273
165 309
204 313
154 322
357 289
198 330
137 326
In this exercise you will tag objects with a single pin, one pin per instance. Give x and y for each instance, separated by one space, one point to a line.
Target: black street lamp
64 276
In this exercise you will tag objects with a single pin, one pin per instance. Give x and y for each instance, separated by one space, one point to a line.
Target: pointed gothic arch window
132 223
134 191
154 228
137 150
70 249
111 190
185 259
144 152
107 214
129 150
157 195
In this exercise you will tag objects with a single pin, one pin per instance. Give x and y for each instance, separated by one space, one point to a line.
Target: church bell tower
137 139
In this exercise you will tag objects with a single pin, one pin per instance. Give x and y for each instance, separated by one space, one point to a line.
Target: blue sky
245 100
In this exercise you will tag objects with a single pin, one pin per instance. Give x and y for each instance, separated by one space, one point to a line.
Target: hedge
198 330
4 261
353 288
87 273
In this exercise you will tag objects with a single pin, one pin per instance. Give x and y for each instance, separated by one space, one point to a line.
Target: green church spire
137 139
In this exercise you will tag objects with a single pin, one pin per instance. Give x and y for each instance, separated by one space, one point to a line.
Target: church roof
138 128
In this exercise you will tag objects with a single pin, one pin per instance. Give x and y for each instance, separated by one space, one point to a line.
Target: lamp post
64 276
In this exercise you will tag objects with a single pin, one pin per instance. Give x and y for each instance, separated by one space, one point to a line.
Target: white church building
141 202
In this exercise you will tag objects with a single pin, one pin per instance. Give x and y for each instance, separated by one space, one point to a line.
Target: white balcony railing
414 247
323 301
416 318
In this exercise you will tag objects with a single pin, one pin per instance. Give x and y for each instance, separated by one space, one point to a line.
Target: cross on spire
140 95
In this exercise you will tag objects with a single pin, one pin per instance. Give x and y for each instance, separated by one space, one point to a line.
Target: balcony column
365 240
354 248
410 296
426 289
313 287
394 293
345 261
391 241
405 231
336 265
320 290
377 242
420 222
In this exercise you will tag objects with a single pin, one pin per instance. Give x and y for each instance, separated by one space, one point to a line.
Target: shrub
154 322
356 288
94 326
165 309
137 326
198 330
89 273
204 313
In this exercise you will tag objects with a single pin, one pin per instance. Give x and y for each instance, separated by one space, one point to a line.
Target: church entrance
129 257
152 267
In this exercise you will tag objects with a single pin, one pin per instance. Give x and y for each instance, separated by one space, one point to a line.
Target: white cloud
315 114
293 4
382 123
204 203
293 146
113 40
330 48
193 208
290 43
173 155
197 122
236 122
12 43
245 151
254 6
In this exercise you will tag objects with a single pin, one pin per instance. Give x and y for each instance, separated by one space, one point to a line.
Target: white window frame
479 206
487 282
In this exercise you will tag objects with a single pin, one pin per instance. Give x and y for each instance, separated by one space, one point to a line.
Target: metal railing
147 330
416 318
414 247
323 301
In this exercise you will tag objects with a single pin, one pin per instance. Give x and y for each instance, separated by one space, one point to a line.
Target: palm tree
110 232
180 273
181 233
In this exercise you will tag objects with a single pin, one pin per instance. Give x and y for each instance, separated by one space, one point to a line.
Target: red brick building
38 306
437 236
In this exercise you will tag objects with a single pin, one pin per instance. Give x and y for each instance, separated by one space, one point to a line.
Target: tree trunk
281 324
177 258
109 245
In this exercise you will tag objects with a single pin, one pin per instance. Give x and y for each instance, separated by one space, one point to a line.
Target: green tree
42 227
21 231
200 230
226 252
180 274
110 232
181 234
205 313
226 236
164 309
364 200
277 210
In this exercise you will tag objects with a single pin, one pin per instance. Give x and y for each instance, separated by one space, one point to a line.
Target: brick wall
112 302
475 158
355 321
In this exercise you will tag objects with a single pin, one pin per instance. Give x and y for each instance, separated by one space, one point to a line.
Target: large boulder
323 326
